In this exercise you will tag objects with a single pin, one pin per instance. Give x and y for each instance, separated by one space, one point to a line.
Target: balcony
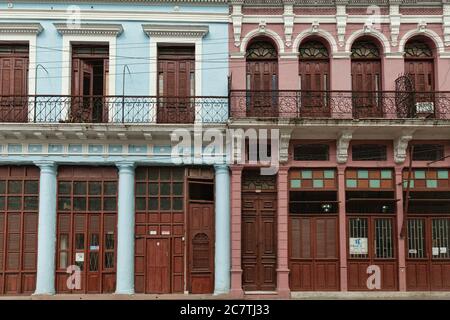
113 109
339 105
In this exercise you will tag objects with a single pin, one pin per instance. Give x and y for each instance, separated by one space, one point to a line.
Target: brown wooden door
366 84
14 86
158 265
428 254
262 81
422 72
160 214
259 241
176 85
86 228
313 253
314 79
376 236
19 191
201 248
82 90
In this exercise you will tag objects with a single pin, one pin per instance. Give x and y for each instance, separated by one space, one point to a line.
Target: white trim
66 81
125 15
374 33
262 32
427 33
322 33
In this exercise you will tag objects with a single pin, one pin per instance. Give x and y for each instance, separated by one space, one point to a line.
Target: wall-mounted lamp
384 209
326 207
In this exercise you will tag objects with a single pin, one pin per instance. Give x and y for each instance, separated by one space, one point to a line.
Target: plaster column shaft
45 280
236 237
401 242
125 229
223 233
282 234
342 229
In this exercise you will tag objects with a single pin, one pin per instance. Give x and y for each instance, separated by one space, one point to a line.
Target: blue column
125 229
45 281
223 229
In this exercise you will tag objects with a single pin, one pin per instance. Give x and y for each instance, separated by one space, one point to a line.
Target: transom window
313 50
261 49
418 49
365 50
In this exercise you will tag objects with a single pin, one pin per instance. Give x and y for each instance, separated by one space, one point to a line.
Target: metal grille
416 238
358 228
418 49
364 50
313 50
261 50
384 246
440 238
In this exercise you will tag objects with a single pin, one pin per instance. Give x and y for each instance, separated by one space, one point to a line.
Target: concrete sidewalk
294 296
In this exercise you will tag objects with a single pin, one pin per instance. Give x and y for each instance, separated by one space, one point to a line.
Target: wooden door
176 85
201 248
82 90
14 83
158 265
259 241
262 83
366 87
86 229
428 254
422 72
314 84
371 242
19 204
160 214
313 253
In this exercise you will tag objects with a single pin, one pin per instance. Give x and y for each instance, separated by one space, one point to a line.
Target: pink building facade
355 90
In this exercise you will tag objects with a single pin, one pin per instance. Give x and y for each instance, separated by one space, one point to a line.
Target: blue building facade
93 95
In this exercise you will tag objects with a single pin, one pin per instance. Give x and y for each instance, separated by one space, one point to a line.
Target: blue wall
132 47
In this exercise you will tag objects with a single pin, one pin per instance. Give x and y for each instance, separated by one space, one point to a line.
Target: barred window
308 152
369 152
428 152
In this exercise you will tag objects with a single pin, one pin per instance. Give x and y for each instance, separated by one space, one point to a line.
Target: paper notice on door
443 250
412 251
435 251
358 246
79 257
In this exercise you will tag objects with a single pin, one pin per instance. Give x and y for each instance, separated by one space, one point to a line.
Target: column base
236 284
124 292
283 290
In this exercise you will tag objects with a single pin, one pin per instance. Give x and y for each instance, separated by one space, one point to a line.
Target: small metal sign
358 246
79 257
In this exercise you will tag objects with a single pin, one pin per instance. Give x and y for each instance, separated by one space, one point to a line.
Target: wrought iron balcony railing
340 104
113 109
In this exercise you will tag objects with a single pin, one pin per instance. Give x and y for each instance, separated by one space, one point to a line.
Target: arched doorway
366 79
262 78
314 71
419 65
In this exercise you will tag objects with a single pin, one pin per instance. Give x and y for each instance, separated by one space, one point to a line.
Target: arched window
314 70
366 79
262 78
419 64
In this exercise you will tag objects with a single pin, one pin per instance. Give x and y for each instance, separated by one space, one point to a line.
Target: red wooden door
259 241
14 83
313 253
366 86
314 82
176 85
86 229
428 254
262 81
158 265
19 191
201 248
371 242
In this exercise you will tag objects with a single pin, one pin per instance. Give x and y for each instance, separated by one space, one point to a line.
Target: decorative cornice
89 29
343 142
178 31
28 28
